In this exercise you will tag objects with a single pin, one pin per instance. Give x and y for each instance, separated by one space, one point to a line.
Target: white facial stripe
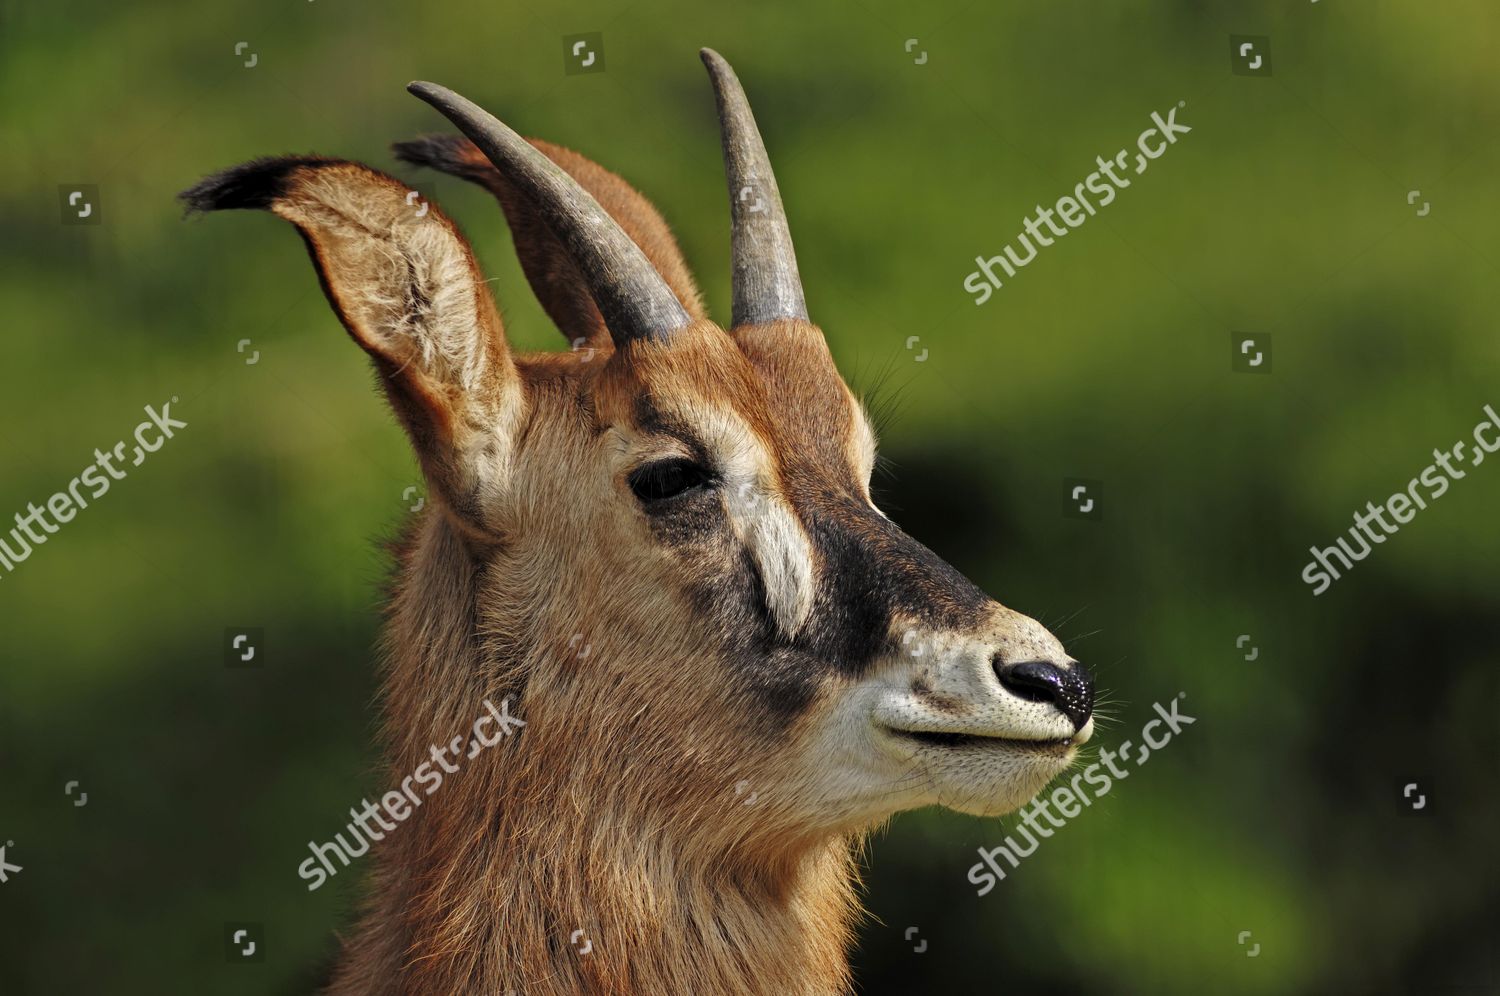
862 443
781 551
761 517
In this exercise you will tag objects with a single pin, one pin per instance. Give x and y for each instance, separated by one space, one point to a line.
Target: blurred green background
1283 213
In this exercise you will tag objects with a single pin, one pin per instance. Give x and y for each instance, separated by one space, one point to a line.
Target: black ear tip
435 151
255 184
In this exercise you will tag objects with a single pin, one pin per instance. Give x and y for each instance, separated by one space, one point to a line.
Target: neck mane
538 849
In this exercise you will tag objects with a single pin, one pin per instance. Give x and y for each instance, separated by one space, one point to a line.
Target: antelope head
662 543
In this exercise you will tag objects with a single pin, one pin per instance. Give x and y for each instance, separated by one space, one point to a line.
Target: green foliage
1284 212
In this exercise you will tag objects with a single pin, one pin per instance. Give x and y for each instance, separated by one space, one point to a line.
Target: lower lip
959 741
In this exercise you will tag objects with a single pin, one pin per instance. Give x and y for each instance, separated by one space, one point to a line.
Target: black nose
1068 688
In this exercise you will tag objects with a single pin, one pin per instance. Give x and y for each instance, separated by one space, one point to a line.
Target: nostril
1035 681
1069 689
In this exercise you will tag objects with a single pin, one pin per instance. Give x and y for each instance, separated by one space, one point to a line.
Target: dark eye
666 479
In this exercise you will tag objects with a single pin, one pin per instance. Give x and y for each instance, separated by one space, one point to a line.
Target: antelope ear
404 283
553 277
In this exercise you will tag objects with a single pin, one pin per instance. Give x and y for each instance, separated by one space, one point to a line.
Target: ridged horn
766 283
634 300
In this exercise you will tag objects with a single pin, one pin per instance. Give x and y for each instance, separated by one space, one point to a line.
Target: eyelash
666 479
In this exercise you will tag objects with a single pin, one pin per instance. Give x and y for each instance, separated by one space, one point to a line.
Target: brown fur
599 816
639 841
685 669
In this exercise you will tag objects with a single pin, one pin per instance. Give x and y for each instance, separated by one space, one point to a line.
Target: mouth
951 740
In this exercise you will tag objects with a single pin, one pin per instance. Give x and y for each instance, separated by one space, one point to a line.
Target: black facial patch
869 571
726 587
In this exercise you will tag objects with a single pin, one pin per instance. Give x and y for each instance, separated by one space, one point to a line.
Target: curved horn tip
437 95
719 69
766 284
718 66
632 297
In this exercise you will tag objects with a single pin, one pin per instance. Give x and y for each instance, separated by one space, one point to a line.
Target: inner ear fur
404 282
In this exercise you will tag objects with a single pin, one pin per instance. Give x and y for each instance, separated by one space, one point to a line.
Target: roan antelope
772 666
